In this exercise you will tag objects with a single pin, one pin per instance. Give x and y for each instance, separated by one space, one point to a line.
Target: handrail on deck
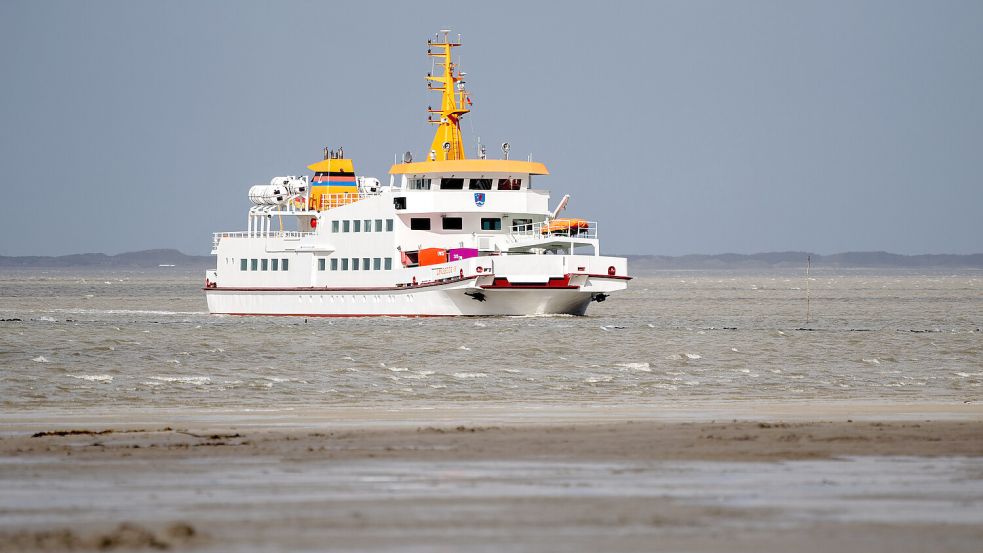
566 228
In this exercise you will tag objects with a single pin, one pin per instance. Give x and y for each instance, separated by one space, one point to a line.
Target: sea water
117 340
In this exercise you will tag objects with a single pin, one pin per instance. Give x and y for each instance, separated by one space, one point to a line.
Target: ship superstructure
447 235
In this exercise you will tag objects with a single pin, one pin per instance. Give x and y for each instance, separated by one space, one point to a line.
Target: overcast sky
682 127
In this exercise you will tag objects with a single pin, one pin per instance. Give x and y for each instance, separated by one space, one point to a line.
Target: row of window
357 264
458 184
456 223
361 225
264 264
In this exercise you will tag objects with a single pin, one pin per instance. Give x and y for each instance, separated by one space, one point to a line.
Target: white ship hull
465 297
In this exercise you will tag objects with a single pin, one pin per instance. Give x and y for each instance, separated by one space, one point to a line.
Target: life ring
313 222
612 270
414 281
479 269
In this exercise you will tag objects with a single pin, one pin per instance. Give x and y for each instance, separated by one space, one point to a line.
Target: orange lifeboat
565 226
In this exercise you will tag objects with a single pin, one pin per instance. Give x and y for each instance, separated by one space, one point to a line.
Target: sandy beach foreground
869 483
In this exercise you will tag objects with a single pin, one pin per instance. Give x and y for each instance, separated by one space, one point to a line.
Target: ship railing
564 228
330 201
281 234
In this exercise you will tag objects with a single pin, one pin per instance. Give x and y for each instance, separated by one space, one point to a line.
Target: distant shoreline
169 258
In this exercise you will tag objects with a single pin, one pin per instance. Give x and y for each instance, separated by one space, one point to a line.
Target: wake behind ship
447 236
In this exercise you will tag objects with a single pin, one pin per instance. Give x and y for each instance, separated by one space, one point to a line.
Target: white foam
464 348
470 375
93 377
40 359
46 319
398 369
693 356
645 367
479 324
674 357
196 380
872 361
597 379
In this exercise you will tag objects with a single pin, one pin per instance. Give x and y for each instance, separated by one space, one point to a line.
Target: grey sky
682 127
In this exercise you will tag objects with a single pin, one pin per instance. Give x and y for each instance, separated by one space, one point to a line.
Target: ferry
448 235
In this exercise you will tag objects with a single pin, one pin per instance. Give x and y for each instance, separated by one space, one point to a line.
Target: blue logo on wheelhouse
479 199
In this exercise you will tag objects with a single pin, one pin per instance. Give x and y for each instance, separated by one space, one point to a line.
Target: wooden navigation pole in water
808 266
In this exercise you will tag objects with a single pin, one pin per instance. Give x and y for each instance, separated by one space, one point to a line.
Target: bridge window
283 264
389 263
480 184
521 225
491 223
274 264
452 223
346 226
451 184
419 184
365 264
265 264
377 263
334 226
320 263
253 264
389 225
355 261
509 184
334 263
420 223
243 264
367 225
358 225
344 264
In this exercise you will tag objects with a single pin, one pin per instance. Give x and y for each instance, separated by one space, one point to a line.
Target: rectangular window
367 225
357 223
399 202
378 225
491 223
253 264
389 225
355 263
420 184
283 264
480 184
389 263
346 226
264 264
344 264
521 225
452 223
419 223
320 263
243 264
275 265
365 264
334 263
509 184
451 184
334 226
377 264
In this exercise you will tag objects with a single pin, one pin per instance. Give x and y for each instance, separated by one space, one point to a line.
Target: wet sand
861 478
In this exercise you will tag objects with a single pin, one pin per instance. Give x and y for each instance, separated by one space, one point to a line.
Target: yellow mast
447 142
